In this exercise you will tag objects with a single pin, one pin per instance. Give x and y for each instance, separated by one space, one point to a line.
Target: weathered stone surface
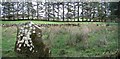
29 41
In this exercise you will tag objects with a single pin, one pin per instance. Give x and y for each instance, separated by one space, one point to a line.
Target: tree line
61 11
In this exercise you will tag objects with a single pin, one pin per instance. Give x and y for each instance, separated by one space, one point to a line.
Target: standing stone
29 41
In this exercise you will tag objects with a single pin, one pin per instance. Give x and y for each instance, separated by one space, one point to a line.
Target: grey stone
29 41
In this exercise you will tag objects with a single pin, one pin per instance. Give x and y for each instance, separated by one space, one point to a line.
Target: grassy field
47 22
86 40
0 41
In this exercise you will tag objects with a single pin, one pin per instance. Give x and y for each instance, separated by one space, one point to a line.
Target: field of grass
47 22
0 41
86 40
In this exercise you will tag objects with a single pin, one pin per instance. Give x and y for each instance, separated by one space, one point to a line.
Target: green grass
0 41
47 22
8 41
62 40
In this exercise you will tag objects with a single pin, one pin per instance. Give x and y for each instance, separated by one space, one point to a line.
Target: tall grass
70 41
